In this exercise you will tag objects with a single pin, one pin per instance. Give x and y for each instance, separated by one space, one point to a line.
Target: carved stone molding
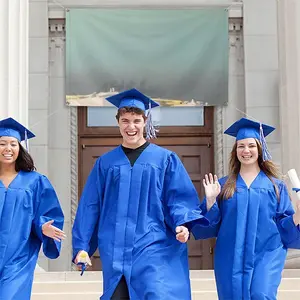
74 163
219 157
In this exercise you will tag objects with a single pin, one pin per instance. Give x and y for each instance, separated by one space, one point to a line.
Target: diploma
295 181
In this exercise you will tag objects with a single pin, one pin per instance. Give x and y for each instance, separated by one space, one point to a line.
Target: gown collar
255 183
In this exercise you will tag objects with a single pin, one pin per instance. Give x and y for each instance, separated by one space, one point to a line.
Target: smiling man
136 207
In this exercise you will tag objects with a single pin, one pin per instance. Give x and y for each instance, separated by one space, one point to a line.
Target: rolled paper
83 257
295 181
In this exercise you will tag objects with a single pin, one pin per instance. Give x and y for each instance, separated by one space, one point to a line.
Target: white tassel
150 128
265 152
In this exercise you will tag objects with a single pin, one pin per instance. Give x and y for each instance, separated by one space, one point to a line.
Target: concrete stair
71 286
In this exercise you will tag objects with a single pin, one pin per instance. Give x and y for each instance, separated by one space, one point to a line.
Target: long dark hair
24 161
268 167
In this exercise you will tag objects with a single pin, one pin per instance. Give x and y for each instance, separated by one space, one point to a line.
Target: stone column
14 60
3 57
262 67
289 83
14 71
289 59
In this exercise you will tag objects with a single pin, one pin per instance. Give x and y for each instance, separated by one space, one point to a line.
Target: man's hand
53 232
83 257
296 216
182 234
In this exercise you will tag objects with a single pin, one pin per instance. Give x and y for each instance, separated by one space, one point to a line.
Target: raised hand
212 189
53 232
182 234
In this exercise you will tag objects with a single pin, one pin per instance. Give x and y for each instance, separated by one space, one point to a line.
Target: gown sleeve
211 228
85 228
290 233
48 208
181 200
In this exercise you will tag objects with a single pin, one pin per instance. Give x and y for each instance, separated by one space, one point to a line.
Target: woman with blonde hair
255 222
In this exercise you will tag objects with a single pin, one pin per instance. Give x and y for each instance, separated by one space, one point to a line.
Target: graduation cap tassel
150 128
265 152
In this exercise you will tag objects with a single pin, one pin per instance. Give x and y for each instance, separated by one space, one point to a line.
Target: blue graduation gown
253 234
131 214
25 206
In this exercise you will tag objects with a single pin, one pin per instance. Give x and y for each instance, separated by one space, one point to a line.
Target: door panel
197 161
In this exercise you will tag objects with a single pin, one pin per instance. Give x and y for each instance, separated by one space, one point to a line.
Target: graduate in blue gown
136 198
257 223
30 214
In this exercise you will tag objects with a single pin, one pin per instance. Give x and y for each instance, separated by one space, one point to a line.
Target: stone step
197 284
96 276
207 295
72 286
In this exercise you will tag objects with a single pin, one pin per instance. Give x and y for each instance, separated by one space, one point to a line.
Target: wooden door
194 146
196 156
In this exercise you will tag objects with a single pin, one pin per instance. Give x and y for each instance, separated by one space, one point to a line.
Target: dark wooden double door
194 146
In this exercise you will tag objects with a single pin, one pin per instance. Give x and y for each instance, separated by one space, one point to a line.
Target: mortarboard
134 98
10 127
245 128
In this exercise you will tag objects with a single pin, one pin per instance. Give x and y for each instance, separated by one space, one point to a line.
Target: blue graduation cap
245 128
10 127
134 98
